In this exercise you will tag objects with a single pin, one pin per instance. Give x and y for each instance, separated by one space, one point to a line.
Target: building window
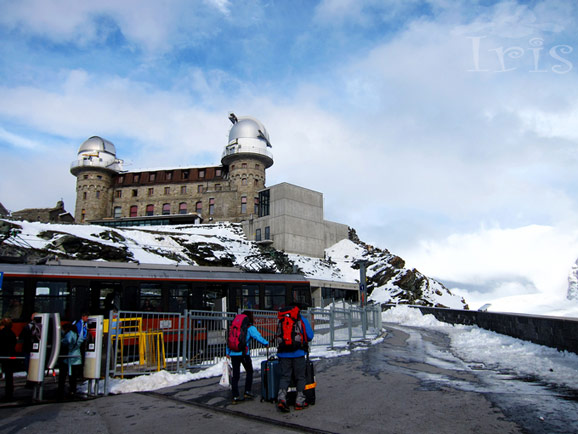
85 176
267 233
98 176
211 206
202 173
183 189
167 190
257 166
232 166
135 193
218 172
166 208
152 176
151 191
244 181
118 193
256 182
199 207
133 210
244 205
243 165
168 175
150 210
117 212
185 174
263 203
98 194
120 180
136 178
257 234
84 195
199 188
82 215
256 211
182 208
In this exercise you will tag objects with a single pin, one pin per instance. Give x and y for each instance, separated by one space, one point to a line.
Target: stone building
56 214
287 216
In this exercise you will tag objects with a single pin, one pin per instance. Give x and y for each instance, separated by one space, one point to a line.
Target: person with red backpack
293 336
241 332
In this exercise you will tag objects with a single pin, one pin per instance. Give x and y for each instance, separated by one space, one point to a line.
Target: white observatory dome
98 153
247 136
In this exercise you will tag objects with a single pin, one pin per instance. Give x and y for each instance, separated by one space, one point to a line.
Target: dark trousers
292 367
8 371
236 361
76 372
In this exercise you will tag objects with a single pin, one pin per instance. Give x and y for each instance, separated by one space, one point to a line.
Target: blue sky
444 131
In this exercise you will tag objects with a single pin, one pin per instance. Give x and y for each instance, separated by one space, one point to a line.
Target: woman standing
70 361
239 358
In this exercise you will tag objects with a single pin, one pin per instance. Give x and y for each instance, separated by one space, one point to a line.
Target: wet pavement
411 382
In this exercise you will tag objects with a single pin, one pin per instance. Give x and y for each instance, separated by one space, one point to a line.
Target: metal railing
145 342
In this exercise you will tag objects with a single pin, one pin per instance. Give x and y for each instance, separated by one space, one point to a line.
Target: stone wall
556 332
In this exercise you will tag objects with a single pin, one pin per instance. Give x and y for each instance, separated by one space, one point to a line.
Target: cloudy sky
444 131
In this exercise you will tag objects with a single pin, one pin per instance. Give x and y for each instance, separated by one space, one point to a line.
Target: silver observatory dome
96 152
247 138
97 144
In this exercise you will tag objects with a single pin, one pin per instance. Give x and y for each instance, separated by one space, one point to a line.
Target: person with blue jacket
293 363
70 360
238 358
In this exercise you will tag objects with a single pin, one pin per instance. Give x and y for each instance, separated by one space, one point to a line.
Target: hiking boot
282 406
249 395
238 399
302 406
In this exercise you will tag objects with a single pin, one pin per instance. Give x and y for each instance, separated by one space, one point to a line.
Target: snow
496 351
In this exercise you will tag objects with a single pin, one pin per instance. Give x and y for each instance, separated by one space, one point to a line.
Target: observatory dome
247 138
248 128
96 152
97 144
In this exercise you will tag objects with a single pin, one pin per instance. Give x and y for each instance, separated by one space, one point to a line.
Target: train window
151 297
301 295
178 297
274 296
53 297
250 297
109 297
12 299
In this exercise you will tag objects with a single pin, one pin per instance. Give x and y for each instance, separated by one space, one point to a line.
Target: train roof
133 271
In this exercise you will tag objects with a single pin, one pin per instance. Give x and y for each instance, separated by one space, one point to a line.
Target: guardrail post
332 325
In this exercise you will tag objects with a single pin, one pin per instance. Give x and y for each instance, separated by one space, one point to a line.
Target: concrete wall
560 333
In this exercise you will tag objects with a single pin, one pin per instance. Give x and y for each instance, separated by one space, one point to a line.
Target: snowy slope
224 244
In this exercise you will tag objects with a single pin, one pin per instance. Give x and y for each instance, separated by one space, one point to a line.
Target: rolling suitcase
270 376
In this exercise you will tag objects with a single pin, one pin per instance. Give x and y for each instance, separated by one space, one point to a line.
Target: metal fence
145 342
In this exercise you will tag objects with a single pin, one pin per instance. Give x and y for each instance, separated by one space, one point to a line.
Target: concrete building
287 216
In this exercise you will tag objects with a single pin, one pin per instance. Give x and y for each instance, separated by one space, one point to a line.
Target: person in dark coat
7 349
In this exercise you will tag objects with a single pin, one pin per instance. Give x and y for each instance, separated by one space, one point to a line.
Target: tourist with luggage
293 336
241 332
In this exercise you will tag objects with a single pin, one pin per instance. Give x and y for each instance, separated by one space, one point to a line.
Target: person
239 358
81 327
147 306
293 364
7 349
29 335
70 360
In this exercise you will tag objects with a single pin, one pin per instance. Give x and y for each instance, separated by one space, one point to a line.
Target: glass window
133 210
118 193
84 195
152 176
135 193
258 235
136 178
244 181
201 173
120 180
150 210
178 294
12 299
185 174
274 296
167 190
218 172
263 203
182 208
243 204
166 208
199 188
199 207
250 297
243 165
301 295
183 189
168 175
151 191
256 211
98 194
211 206
117 212
267 233
52 297
150 297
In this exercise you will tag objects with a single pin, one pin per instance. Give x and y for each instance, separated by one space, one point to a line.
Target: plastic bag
225 378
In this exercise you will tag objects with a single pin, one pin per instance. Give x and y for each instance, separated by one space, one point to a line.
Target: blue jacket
252 333
299 353
72 341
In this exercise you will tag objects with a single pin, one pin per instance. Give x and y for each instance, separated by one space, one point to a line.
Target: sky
440 130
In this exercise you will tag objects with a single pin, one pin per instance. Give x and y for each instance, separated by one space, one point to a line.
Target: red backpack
291 335
237 339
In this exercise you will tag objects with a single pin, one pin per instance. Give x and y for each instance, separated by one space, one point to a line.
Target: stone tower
95 169
247 156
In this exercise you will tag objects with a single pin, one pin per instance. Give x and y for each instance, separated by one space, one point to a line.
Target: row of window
167 175
182 209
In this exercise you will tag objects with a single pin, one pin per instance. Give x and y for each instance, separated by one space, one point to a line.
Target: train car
72 287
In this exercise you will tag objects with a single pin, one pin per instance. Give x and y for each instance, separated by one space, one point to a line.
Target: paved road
410 383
